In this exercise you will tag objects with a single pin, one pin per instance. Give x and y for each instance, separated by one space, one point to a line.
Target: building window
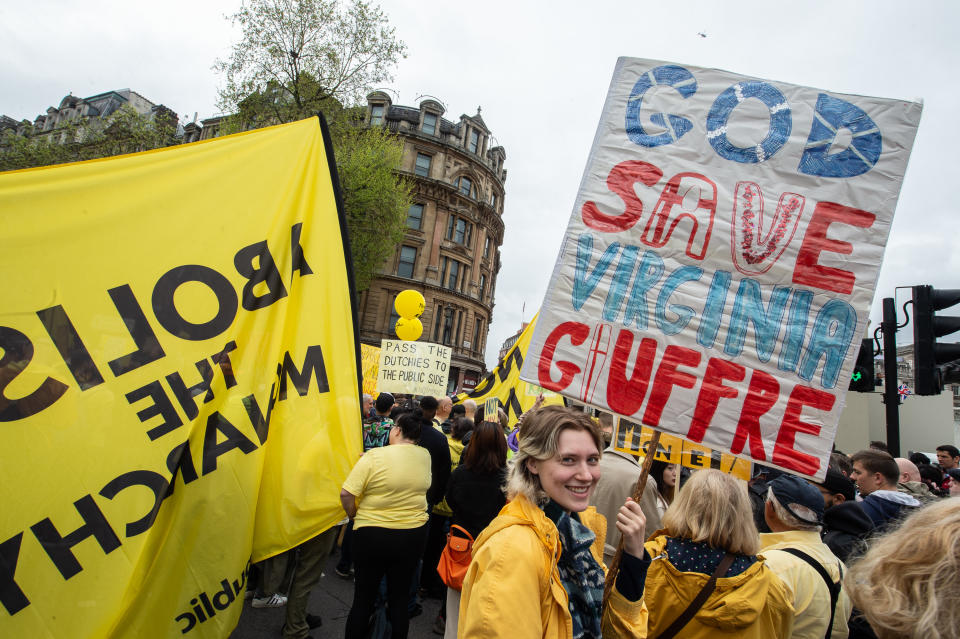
415 217
493 200
429 123
451 275
436 326
464 185
486 247
477 327
452 380
394 316
447 336
408 257
459 230
376 115
423 165
474 141
483 285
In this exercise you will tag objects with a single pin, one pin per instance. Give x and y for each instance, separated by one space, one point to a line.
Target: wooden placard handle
637 494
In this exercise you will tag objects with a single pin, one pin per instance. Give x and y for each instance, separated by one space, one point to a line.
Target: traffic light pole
891 397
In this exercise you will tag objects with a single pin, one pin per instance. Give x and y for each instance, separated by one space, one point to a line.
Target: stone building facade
74 108
451 251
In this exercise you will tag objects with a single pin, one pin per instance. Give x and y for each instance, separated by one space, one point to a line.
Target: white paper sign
415 368
718 268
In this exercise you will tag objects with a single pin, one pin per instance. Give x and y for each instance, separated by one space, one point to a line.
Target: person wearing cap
876 474
796 554
845 524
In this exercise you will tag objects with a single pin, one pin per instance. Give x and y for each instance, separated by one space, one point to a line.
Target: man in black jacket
845 524
876 474
436 444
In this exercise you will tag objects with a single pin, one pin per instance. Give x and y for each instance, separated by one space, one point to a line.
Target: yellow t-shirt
390 485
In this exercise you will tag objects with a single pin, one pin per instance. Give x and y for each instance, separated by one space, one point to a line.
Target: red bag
455 558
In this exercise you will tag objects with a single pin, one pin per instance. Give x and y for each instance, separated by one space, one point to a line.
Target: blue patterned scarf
580 573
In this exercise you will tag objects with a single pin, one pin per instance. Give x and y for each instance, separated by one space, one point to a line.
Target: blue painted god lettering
676 126
781 122
831 115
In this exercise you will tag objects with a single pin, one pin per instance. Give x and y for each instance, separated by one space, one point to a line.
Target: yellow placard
370 365
632 438
178 381
503 383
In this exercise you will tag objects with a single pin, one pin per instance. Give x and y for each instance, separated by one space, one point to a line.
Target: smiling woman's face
570 477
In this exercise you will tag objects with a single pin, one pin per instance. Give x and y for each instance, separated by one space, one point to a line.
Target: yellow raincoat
752 605
513 586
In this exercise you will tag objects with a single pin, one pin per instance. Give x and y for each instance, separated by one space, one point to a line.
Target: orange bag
455 558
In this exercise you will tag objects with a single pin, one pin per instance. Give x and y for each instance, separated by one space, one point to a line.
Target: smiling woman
537 569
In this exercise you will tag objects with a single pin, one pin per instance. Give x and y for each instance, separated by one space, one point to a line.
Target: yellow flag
178 381
504 384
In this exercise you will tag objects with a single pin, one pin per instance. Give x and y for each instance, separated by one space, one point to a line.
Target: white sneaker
276 600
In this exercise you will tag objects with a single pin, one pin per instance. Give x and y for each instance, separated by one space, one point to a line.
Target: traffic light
927 327
862 378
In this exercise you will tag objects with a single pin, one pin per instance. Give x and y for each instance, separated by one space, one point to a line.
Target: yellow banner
503 382
632 438
370 367
178 381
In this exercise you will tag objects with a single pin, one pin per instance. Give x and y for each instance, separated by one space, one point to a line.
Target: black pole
891 397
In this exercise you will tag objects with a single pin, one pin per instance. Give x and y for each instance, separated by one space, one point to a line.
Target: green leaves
123 131
375 196
344 47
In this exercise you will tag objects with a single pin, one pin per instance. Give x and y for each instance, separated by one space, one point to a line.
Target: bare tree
303 52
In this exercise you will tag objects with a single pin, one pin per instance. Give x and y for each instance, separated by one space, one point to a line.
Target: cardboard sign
721 258
490 407
415 368
369 367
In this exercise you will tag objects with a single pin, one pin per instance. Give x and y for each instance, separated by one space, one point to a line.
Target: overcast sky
540 71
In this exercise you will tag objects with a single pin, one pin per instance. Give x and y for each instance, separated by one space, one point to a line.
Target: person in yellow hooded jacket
709 529
537 568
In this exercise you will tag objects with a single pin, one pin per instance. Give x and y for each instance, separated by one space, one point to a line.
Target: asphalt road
331 599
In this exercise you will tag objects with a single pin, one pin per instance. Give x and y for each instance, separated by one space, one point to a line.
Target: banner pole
637 494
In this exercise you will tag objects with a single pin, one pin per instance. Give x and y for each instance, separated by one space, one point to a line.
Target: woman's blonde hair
538 439
908 582
714 507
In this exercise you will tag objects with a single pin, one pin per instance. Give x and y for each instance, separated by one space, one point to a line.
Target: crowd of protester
871 550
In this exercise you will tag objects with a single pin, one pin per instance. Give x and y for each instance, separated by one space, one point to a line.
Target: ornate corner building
451 251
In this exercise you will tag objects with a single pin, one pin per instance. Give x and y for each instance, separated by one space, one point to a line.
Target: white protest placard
415 368
718 268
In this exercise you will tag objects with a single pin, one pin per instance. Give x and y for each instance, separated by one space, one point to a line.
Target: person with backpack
706 579
794 551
